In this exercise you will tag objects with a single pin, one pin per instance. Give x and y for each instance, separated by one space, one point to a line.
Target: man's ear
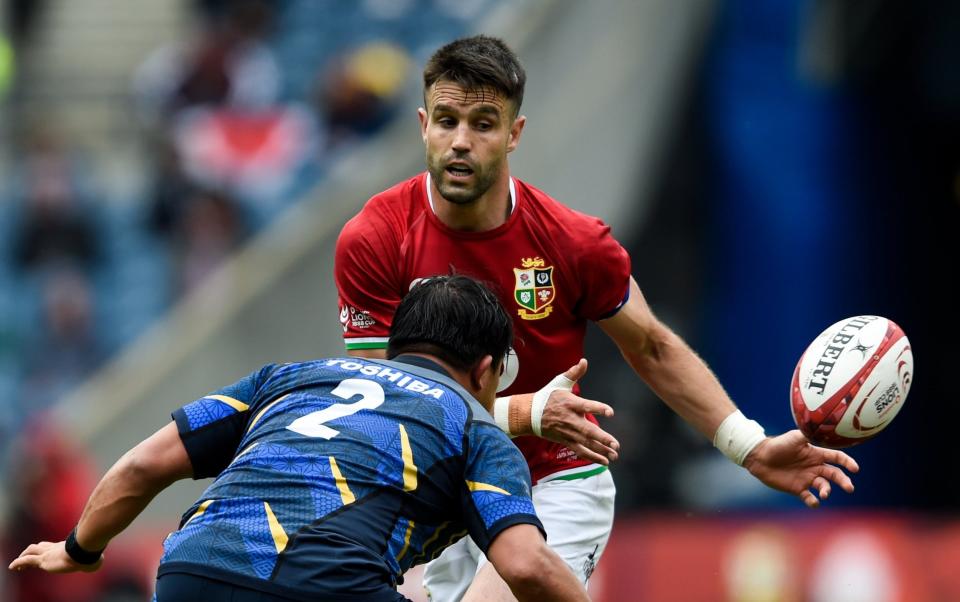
481 374
516 129
422 116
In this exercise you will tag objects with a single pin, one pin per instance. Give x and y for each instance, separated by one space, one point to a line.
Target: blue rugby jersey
334 477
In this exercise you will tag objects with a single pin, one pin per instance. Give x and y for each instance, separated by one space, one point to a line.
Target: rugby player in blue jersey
333 477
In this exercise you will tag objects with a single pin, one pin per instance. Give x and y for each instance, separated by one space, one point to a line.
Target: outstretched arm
120 496
675 373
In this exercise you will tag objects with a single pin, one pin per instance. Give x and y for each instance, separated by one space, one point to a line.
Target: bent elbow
527 572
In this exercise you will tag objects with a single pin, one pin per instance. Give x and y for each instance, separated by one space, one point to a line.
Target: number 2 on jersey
314 423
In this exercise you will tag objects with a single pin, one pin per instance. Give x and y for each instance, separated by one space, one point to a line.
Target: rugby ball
851 381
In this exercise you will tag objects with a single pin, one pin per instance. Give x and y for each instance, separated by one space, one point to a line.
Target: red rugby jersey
552 267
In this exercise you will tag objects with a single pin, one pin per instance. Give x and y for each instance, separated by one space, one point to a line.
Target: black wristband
78 554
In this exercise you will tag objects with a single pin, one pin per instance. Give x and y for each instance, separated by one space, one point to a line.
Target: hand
564 421
789 463
52 558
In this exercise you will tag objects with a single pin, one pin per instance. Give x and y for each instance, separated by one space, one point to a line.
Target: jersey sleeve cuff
507 522
613 312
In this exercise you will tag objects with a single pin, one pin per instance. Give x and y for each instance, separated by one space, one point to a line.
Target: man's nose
461 138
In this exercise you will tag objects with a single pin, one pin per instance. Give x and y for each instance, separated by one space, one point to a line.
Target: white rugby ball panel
851 380
836 356
882 394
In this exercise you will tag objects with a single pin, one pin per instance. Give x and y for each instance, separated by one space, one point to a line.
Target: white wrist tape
737 436
501 412
540 400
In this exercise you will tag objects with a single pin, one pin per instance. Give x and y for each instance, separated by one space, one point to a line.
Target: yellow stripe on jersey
409 468
200 510
230 401
406 541
346 496
276 530
261 412
477 486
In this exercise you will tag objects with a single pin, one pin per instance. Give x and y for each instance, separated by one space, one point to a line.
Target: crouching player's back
347 474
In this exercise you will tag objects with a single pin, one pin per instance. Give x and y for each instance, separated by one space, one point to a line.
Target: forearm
529 568
130 484
553 580
119 498
682 380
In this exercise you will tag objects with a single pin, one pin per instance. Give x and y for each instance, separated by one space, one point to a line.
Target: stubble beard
460 195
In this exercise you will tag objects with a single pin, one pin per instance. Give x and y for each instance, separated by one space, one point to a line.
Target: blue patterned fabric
339 475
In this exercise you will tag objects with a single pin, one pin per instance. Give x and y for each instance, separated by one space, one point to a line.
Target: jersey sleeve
497 492
604 273
365 263
212 426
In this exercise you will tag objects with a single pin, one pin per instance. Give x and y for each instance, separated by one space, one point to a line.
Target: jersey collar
513 195
422 362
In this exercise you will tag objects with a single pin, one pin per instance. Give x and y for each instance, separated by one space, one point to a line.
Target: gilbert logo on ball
851 381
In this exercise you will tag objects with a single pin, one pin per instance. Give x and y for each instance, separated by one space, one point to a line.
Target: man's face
487 394
467 133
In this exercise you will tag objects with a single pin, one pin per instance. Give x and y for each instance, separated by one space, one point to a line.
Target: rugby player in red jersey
555 268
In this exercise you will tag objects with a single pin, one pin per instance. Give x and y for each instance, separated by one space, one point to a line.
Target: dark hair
475 62
456 318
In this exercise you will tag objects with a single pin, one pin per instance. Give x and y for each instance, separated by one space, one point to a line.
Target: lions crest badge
533 289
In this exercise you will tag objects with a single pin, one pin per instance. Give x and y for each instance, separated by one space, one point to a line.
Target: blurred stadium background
173 175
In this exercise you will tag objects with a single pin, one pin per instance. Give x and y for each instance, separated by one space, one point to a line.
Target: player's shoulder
401 200
543 209
391 210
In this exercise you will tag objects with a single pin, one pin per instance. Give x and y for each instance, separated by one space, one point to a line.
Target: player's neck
486 213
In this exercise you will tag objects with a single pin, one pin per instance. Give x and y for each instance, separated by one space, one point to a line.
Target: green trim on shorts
576 475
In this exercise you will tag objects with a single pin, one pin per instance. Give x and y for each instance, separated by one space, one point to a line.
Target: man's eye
446 122
483 126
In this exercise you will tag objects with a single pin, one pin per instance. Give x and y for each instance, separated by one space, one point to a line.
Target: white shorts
576 513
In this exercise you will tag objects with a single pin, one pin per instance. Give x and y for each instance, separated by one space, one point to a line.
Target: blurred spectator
254 155
358 92
170 190
66 349
56 227
210 230
50 480
228 64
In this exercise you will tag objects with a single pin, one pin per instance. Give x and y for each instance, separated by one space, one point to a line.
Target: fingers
35 549
809 499
835 456
836 475
31 556
599 439
22 562
821 491
588 454
588 406
577 371
597 451
589 441
822 486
